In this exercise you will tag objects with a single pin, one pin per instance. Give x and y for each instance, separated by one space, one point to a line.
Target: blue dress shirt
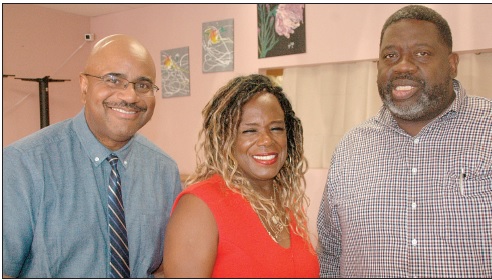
55 192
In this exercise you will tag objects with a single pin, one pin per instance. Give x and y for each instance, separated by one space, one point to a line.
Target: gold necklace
275 223
277 228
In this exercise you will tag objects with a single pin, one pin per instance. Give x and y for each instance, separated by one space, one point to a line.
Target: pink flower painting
281 29
288 18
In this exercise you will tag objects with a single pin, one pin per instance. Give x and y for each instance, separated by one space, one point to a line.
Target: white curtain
330 99
475 73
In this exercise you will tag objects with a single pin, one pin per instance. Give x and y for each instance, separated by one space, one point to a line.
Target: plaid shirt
401 206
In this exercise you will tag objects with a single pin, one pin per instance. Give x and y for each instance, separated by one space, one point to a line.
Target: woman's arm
190 245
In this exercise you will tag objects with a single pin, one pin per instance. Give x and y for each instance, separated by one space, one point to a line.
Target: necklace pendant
275 220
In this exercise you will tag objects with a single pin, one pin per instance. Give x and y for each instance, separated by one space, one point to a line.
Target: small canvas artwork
281 29
175 72
218 46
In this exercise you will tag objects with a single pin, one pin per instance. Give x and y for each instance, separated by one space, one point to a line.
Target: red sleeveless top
245 249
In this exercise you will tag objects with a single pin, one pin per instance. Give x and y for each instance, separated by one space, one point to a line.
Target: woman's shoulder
215 182
211 188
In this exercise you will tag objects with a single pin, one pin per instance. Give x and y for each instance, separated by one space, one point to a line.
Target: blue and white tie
119 264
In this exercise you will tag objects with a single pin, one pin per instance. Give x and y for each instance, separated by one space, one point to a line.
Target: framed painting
218 46
281 29
175 72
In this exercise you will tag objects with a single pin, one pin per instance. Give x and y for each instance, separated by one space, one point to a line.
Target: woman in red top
243 213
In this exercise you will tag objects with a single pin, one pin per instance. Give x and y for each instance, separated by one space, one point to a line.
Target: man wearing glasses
88 197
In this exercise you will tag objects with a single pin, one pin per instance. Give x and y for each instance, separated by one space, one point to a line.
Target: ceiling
92 10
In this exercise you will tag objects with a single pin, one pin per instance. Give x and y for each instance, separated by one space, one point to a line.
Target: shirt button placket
412 216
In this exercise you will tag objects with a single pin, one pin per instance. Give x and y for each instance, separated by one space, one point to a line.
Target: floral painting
218 46
281 29
175 72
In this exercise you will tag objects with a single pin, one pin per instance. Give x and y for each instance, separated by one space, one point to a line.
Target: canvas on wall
218 46
281 29
175 72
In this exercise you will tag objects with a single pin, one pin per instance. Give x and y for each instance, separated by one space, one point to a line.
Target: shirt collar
96 151
459 102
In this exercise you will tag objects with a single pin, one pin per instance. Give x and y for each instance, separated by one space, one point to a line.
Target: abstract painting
281 29
218 46
175 72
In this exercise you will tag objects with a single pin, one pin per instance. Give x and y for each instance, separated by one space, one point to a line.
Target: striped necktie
119 264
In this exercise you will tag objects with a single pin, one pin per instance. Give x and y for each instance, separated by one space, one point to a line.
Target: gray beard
410 113
428 106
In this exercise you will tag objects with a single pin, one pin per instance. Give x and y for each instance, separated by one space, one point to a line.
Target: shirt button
416 141
414 242
96 158
414 170
414 205
125 162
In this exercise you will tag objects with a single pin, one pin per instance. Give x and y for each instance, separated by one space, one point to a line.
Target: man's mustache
124 104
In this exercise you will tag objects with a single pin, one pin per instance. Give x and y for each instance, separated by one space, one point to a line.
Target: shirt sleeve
176 188
18 208
329 230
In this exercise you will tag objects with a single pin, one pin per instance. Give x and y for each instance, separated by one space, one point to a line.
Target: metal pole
44 103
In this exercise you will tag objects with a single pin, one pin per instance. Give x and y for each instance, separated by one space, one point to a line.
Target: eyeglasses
142 87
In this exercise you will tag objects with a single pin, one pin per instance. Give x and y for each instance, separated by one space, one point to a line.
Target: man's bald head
114 46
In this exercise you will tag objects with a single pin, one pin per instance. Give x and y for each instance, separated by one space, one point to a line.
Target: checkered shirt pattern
399 206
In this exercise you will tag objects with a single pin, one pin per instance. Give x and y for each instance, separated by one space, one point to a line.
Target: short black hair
420 12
